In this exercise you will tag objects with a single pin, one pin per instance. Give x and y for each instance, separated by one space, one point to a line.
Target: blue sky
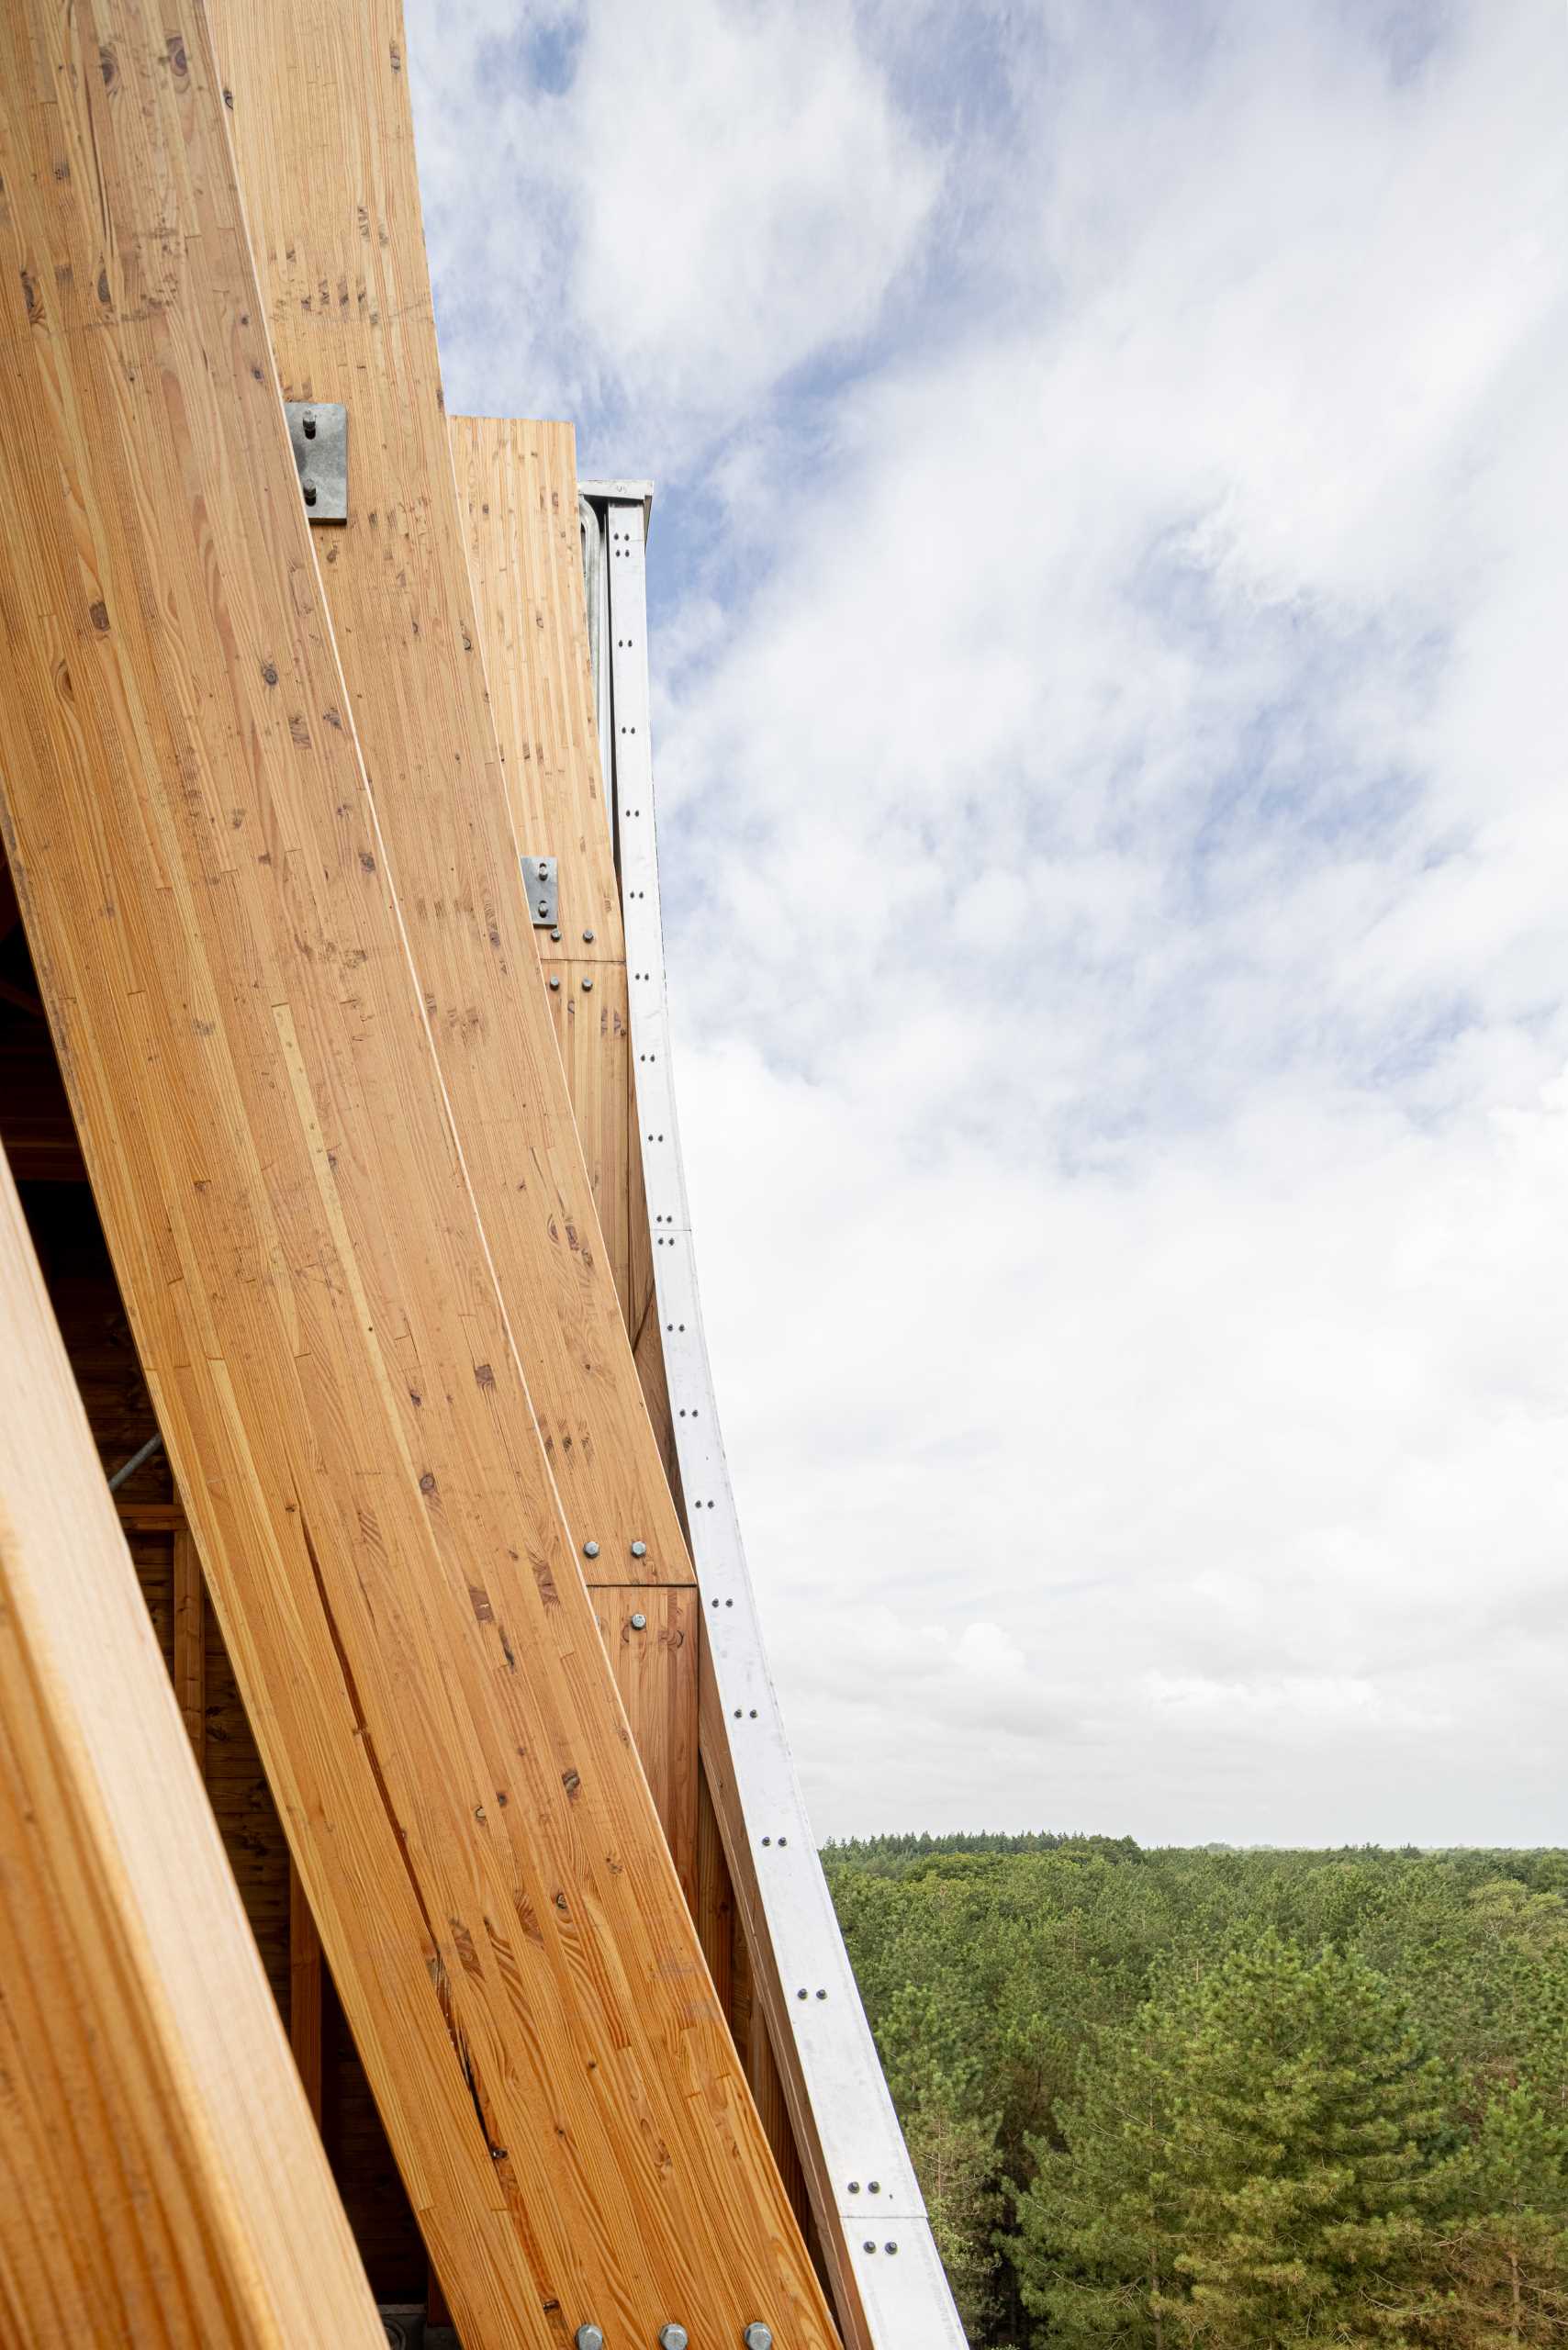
1108 587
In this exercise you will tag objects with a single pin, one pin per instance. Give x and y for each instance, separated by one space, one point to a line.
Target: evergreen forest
1238 2099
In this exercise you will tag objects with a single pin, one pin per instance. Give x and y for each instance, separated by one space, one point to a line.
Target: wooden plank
588 1003
652 1638
517 483
326 174
190 1644
159 2180
305 1993
204 882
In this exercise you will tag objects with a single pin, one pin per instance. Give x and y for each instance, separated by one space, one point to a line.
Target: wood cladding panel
206 884
159 2180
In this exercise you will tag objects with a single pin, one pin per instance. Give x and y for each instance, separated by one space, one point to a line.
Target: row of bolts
675 2337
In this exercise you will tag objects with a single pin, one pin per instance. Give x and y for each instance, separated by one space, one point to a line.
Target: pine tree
1306 2123
1099 2228
1501 2261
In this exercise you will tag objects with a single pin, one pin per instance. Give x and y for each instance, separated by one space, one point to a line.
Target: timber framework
410 1926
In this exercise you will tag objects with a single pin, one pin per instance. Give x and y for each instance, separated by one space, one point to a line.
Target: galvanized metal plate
541 881
868 2175
318 435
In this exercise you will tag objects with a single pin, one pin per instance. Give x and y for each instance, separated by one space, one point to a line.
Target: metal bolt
639 1622
553 981
590 1549
310 425
673 2337
757 2337
855 2187
588 2337
544 869
309 493
889 2247
588 985
588 938
556 936
639 1550
544 905
874 2186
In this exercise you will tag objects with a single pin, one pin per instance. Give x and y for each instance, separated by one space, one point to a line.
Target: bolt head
588 938
639 1622
588 985
673 2337
590 1549
588 2337
309 493
757 2337
639 1550
309 423
553 981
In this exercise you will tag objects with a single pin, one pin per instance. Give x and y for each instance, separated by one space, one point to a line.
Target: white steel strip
876 2216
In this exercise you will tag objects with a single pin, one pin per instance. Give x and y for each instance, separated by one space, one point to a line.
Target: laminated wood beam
207 889
518 487
323 133
159 2180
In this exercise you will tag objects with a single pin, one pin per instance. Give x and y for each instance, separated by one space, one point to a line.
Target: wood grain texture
653 1641
189 1599
159 2180
326 161
205 887
517 480
517 484
588 1004
305 1993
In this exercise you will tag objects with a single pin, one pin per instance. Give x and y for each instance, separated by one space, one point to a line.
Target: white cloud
1115 754
704 197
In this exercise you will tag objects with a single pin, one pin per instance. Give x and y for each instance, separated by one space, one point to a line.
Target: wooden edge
159 2179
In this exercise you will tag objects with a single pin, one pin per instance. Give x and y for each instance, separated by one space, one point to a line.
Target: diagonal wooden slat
160 2179
207 891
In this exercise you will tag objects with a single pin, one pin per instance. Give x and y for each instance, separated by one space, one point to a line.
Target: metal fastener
757 2337
639 1550
309 493
673 2337
639 1622
588 985
553 981
588 938
588 2337
590 1549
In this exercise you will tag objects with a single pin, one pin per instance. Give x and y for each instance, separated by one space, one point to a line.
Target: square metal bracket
319 432
539 879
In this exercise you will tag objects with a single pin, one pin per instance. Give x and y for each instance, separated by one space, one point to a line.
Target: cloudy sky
1113 756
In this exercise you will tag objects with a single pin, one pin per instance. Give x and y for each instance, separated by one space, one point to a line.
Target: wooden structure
159 2179
370 1182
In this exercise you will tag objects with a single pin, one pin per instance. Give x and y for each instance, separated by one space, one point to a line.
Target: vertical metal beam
888 2282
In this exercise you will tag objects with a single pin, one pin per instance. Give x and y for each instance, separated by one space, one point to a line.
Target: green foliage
1224 2100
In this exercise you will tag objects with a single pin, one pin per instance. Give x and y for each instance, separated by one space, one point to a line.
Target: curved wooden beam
205 883
160 2179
